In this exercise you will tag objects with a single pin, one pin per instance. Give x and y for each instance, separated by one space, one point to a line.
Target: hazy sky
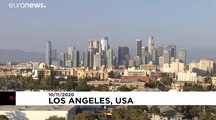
189 24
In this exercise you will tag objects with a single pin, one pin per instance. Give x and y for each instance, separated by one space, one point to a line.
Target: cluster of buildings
67 112
100 62
99 53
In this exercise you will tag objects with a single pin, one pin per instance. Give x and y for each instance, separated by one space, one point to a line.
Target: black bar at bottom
7 98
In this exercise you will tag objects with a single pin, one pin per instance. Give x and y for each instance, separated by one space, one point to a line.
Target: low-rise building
37 112
213 80
134 72
167 113
149 67
202 67
187 77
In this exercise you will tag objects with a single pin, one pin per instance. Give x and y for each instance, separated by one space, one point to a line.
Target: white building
161 61
187 77
134 72
37 112
202 67
177 66
174 67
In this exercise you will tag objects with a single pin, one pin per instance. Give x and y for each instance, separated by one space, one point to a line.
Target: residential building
37 112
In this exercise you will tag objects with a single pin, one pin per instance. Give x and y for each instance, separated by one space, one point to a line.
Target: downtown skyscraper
150 44
182 55
123 55
48 53
139 47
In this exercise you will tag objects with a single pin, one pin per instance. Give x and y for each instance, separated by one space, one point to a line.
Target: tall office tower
62 59
54 54
160 51
131 63
172 59
92 51
155 57
150 44
70 53
97 46
123 55
143 61
104 44
109 58
166 55
161 61
145 56
182 55
75 60
97 60
114 60
139 47
137 61
86 59
173 51
54 58
66 56
48 53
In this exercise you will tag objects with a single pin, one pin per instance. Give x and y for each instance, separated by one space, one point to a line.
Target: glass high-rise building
182 55
97 60
150 44
139 47
123 55
48 53
166 55
86 58
109 58
104 44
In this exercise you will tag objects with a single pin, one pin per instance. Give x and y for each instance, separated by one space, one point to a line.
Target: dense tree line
130 113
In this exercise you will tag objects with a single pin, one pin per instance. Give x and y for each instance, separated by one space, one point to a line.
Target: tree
71 83
83 86
190 111
193 88
3 117
130 113
2 81
103 87
155 110
208 80
49 83
166 80
208 116
123 88
84 116
55 117
40 75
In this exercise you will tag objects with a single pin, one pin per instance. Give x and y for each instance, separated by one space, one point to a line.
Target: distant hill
20 56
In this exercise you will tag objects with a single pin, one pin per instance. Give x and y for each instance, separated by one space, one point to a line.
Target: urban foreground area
98 68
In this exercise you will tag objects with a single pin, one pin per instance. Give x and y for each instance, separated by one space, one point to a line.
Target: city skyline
182 23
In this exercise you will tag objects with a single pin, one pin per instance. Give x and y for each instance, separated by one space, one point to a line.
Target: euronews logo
27 5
